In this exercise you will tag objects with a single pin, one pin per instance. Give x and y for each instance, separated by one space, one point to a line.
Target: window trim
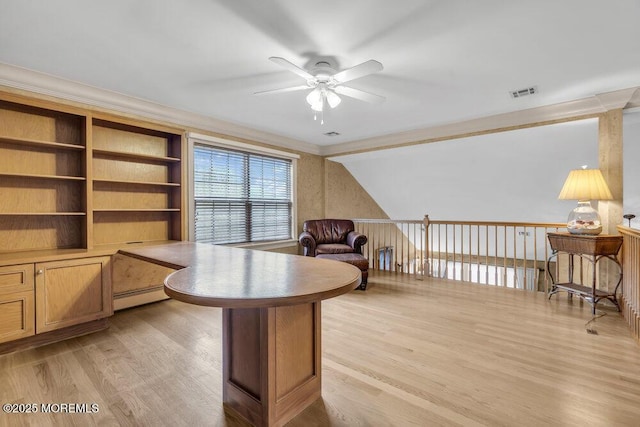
194 138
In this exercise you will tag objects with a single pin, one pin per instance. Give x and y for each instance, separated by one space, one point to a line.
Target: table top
227 277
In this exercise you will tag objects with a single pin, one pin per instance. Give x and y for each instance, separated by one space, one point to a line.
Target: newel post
426 263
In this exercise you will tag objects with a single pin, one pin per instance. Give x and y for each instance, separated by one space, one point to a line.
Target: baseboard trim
54 336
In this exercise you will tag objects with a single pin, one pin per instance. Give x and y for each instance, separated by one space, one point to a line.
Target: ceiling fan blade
369 67
291 67
283 90
359 94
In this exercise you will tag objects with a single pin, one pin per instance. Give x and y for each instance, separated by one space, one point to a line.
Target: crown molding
45 84
565 111
617 99
634 102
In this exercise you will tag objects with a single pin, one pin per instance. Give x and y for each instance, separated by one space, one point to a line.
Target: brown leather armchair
330 236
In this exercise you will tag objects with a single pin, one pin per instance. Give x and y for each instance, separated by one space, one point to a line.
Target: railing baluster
376 243
477 228
524 257
535 261
630 295
515 257
453 267
428 244
439 251
439 226
427 251
486 254
504 256
495 256
402 252
470 251
386 242
448 249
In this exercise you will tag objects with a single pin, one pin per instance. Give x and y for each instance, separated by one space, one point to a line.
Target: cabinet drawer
17 318
16 278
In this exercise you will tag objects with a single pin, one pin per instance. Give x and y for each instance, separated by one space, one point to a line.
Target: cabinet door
17 318
72 292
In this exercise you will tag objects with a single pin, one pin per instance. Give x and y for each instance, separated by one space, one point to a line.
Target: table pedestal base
271 361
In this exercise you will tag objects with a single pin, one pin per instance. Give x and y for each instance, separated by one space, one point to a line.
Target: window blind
241 197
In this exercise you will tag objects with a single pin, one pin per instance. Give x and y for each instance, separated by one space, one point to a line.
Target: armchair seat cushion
333 248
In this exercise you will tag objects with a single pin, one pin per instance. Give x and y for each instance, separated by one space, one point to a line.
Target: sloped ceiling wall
508 176
345 197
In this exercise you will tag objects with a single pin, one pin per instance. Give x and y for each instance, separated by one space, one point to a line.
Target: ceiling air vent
332 133
524 92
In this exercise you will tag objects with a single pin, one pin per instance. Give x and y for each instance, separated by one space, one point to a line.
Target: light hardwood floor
402 353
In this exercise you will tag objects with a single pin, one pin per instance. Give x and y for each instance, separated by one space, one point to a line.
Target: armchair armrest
308 243
356 241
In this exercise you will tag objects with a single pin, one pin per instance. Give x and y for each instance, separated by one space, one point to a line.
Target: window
240 196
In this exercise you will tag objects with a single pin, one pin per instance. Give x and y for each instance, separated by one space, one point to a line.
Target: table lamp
585 185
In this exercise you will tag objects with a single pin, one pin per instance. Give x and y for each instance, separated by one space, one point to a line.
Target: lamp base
584 220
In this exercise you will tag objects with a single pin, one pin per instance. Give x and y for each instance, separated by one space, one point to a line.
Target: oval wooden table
271 319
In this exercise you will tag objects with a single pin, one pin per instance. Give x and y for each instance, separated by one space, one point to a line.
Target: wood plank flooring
402 353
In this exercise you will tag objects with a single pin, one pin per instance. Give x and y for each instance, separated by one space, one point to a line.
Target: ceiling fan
326 83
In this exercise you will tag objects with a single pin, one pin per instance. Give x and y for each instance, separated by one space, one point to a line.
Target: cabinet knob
40 271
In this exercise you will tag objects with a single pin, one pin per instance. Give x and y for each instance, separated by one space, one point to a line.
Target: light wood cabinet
71 292
77 184
42 297
17 319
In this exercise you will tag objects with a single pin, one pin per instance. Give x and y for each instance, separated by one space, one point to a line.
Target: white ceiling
445 61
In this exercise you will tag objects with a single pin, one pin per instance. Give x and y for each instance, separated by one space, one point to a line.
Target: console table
270 319
593 249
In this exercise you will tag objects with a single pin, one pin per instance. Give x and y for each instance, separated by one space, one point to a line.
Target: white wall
509 176
631 166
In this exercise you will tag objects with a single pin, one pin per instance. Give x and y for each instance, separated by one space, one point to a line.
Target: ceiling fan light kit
321 94
326 83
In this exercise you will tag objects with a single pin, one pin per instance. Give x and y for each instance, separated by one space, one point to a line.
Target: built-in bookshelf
77 180
137 191
77 185
42 178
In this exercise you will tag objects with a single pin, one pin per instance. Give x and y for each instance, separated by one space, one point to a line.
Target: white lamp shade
585 184
332 99
315 97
